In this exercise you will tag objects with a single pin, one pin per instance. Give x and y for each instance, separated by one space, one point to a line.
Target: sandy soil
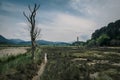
13 51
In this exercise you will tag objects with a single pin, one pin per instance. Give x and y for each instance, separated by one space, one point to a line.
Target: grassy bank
19 67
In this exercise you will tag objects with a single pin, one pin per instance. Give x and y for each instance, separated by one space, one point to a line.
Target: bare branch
37 8
30 8
26 16
37 32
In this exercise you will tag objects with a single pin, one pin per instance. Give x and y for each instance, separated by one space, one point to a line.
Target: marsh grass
79 64
20 66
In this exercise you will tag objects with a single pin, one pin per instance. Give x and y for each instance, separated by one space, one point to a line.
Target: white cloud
57 25
15 30
100 11
66 27
23 24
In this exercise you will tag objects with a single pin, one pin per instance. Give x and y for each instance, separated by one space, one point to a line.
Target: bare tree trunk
33 42
33 48
34 31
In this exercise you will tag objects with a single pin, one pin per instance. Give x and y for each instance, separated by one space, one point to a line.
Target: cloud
12 9
60 20
101 11
66 27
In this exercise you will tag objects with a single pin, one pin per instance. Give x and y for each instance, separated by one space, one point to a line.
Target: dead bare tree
34 30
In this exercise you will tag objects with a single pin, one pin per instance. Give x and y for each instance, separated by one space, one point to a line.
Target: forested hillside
106 36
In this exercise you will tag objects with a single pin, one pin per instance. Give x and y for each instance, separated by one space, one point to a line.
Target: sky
59 20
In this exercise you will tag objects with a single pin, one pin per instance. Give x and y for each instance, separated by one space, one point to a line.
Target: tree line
106 36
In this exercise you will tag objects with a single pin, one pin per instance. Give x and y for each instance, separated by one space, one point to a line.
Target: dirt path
41 69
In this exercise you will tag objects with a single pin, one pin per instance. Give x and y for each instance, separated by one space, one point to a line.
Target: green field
64 63
70 63
19 67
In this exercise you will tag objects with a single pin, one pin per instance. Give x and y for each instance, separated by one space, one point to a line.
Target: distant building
78 43
77 39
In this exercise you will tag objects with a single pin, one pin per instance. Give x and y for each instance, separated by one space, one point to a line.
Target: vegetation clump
77 64
20 67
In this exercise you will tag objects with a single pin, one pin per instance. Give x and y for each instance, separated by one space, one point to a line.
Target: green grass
63 66
19 67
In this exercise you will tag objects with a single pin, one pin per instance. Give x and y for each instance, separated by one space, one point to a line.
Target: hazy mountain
16 41
44 42
3 40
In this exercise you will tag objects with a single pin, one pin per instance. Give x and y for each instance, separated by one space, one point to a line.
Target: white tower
77 39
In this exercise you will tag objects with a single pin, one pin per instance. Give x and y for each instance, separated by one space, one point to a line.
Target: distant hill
3 40
44 42
107 36
16 41
112 30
